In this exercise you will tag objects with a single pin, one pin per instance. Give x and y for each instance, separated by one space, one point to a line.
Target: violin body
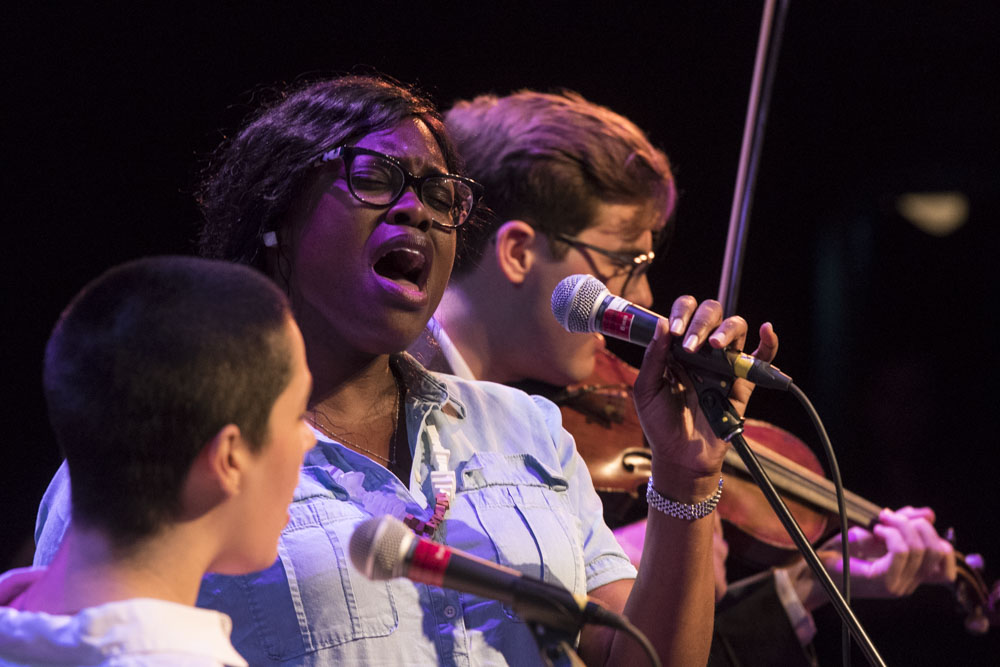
600 413
755 534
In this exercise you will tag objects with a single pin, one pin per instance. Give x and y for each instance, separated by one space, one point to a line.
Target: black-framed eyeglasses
635 266
380 180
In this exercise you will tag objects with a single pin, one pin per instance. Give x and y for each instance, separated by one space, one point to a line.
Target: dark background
110 111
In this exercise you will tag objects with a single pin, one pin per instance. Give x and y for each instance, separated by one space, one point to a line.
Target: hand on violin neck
901 552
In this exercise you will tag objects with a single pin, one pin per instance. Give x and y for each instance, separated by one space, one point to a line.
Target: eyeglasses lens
377 181
374 180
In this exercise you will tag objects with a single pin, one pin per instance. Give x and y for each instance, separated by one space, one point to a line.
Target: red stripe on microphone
429 562
616 320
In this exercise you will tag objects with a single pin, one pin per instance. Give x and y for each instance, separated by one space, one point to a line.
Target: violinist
575 188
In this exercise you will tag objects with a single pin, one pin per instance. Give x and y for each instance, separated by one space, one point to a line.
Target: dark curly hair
254 177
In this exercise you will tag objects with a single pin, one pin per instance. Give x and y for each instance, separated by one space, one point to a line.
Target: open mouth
403 265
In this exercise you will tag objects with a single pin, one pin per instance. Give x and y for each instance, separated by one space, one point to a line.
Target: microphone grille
573 301
377 547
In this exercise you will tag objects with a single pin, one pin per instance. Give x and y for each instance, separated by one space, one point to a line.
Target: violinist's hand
684 446
899 554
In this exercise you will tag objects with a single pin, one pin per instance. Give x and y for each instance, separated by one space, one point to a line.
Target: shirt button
450 611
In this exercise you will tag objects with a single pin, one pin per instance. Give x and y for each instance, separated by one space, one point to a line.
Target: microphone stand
713 397
555 645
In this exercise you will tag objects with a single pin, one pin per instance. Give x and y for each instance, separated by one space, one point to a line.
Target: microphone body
582 304
384 548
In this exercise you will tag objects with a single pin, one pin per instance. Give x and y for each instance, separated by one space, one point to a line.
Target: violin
601 415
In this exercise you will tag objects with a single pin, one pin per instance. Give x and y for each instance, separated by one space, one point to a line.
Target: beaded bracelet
683 510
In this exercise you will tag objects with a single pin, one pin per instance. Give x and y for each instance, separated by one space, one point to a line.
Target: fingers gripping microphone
384 548
582 304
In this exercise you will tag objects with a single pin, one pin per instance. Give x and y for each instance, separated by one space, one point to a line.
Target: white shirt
455 359
133 633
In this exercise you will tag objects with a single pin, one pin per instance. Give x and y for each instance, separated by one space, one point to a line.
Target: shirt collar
423 385
329 461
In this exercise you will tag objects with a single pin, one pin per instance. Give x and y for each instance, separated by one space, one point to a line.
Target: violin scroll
972 595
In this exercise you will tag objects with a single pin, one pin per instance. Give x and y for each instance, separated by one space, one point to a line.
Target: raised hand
678 433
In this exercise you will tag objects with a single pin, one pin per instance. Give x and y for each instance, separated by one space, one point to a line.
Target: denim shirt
524 499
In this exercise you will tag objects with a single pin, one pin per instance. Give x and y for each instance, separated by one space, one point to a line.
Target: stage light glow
935 213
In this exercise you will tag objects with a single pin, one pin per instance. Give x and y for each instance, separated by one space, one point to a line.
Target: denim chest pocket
521 504
321 602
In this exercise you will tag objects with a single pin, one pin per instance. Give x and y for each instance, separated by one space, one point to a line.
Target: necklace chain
442 499
391 461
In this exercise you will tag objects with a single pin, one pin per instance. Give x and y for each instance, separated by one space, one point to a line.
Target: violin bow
772 26
980 601
765 65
